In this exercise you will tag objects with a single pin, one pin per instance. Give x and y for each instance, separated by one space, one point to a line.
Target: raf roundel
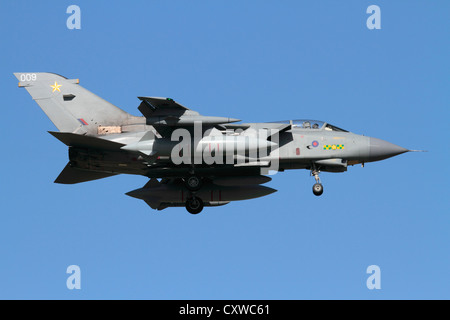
315 144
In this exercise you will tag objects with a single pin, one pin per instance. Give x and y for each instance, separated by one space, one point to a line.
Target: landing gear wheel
194 205
317 189
193 183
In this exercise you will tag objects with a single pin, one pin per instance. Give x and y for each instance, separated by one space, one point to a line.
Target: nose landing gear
317 187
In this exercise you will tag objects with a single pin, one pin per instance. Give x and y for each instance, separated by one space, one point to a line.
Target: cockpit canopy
311 125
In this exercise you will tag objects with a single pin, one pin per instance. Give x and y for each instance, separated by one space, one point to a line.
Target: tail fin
69 106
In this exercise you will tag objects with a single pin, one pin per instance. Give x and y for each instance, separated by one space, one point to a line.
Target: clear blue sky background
256 61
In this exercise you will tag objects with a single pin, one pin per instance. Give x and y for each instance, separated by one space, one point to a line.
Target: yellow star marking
56 87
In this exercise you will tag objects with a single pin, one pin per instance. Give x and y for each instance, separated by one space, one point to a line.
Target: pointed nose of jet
380 149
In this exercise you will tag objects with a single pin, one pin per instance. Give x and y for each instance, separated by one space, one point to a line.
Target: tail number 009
28 77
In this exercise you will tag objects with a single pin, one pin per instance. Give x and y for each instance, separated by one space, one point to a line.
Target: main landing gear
193 183
317 187
194 204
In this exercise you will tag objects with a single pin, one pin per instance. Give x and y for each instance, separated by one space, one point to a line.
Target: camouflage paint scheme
104 140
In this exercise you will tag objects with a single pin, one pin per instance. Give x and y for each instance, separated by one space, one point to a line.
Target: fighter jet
191 160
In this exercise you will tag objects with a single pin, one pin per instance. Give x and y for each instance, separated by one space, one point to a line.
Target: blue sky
256 61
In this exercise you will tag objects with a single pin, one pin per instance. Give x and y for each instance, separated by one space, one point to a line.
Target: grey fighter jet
191 160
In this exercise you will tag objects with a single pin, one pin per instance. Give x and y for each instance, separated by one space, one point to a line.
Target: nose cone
380 149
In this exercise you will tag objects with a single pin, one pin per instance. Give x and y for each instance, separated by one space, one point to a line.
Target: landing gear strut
317 187
194 205
193 183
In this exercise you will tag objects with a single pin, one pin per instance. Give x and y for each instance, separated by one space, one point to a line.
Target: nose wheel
317 187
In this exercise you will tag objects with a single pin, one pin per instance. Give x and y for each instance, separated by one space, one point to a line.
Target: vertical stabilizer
69 106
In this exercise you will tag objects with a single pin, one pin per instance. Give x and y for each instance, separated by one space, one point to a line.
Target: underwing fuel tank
178 193
241 181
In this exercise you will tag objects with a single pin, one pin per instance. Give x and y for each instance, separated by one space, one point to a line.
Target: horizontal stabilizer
82 141
73 175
